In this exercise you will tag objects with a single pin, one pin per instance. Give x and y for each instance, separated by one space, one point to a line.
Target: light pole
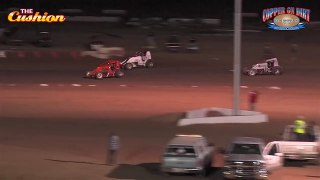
237 56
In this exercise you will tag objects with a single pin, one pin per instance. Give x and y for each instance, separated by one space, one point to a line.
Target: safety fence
74 54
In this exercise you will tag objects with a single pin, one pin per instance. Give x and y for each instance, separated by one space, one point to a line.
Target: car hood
244 157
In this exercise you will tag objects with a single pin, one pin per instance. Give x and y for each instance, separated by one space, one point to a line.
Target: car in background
111 68
173 43
43 39
192 46
187 154
248 157
20 36
270 66
140 59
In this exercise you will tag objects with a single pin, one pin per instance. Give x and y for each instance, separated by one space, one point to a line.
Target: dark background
222 9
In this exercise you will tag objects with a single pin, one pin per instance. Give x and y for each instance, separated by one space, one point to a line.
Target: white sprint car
270 66
140 59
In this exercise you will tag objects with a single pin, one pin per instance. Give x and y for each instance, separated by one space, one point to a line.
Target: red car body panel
108 69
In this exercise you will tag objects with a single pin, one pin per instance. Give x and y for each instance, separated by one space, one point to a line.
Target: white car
141 59
270 66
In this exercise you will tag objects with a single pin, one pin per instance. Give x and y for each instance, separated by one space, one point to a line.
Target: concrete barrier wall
176 20
75 11
93 19
112 15
114 11
40 54
105 52
211 21
226 112
199 116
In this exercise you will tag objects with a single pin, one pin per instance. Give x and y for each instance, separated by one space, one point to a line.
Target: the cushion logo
290 18
28 15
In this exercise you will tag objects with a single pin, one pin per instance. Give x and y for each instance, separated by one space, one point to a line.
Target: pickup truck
187 154
248 157
307 149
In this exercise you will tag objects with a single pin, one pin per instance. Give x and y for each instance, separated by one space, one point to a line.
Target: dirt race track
54 123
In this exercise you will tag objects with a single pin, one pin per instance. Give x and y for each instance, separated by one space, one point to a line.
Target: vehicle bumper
301 157
181 170
236 174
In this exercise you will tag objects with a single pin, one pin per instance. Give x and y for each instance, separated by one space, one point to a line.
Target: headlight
229 163
233 163
259 163
238 162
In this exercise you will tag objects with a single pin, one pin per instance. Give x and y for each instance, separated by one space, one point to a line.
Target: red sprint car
111 68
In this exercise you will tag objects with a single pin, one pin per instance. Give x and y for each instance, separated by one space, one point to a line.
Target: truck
186 154
304 149
248 157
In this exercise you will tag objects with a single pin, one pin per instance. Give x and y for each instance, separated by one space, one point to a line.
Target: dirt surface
54 123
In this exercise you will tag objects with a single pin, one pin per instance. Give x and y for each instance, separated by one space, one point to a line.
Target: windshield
245 149
180 151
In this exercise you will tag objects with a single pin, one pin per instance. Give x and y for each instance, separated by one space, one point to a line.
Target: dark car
43 39
173 43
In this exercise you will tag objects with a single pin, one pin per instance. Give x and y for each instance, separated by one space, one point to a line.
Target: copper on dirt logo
28 15
281 18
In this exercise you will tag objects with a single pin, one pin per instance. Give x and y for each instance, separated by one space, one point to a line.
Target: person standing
300 128
311 131
253 97
113 148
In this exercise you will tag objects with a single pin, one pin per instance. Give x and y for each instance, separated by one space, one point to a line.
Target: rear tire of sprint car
276 71
150 64
252 72
99 76
119 74
87 74
245 71
128 66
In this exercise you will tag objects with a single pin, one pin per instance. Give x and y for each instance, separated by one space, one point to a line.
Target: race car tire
88 74
119 74
150 64
277 71
252 72
99 76
128 66
245 71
